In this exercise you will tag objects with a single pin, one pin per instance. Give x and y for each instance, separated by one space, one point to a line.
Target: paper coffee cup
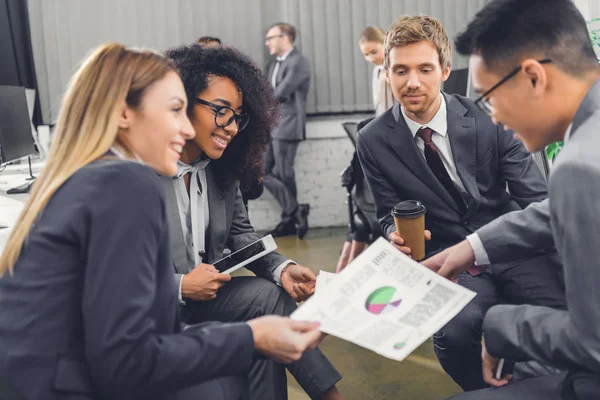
409 217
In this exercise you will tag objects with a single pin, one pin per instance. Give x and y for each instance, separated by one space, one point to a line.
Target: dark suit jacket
569 220
293 80
91 311
228 227
487 159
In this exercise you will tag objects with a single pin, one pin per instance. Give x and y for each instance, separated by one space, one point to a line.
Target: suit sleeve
566 339
525 180
242 234
128 356
383 194
298 74
518 234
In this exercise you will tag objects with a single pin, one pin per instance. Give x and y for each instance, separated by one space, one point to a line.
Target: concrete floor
366 375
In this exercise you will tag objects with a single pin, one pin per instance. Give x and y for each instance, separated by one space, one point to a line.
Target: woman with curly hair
233 110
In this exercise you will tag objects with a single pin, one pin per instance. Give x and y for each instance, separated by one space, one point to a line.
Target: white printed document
384 301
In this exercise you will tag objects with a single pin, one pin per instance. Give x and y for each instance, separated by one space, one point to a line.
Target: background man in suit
289 74
443 151
537 72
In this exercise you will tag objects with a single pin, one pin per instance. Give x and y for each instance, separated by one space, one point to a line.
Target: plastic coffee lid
408 209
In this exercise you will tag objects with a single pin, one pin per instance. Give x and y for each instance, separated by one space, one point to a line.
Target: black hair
504 32
243 158
208 39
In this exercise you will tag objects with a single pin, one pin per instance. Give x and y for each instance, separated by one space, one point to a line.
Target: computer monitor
457 82
16 139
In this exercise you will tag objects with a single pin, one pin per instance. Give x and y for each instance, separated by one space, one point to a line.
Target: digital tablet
246 255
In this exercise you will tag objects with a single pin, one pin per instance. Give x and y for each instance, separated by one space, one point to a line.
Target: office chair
363 224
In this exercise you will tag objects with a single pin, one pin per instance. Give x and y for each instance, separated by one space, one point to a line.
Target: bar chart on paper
383 300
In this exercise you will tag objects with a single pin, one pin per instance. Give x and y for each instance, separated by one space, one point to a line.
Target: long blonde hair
112 76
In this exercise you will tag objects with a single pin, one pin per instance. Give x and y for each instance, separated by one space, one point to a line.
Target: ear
446 73
387 76
126 116
536 75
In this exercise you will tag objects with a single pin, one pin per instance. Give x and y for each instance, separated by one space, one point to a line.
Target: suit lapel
217 225
463 141
179 251
403 143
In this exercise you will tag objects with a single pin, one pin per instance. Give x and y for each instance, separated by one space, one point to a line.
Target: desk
10 209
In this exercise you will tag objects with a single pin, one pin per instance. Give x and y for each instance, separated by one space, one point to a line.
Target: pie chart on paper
382 300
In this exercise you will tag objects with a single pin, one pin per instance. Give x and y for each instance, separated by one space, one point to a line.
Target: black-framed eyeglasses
481 101
224 115
269 38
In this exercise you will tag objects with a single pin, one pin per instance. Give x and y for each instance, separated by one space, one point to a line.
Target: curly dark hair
243 158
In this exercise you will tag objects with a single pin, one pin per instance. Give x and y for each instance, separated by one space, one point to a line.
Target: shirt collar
183 168
439 122
283 57
568 133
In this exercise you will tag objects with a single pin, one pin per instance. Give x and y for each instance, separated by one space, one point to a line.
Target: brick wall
319 161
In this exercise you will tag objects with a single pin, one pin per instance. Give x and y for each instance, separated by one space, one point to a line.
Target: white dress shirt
279 59
194 213
376 84
439 125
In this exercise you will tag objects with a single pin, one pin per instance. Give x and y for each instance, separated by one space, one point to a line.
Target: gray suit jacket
229 227
293 80
570 220
486 157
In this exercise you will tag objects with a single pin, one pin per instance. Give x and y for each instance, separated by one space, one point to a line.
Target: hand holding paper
384 301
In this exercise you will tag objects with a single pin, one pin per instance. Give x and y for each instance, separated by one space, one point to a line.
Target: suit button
466 222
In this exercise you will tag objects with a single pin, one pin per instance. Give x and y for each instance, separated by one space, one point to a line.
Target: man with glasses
536 69
445 152
289 74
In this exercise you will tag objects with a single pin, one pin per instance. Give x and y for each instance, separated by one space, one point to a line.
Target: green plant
553 149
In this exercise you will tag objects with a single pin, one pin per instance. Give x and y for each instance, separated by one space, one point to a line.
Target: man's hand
398 242
203 282
452 261
298 281
284 339
490 364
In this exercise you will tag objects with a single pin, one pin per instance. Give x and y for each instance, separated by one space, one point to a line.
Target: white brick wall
319 161
318 166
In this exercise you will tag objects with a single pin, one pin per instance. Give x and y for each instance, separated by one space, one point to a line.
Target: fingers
303 326
209 267
404 249
427 235
302 291
223 277
396 239
308 275
311 339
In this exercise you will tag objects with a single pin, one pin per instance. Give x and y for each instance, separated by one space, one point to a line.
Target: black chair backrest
350 128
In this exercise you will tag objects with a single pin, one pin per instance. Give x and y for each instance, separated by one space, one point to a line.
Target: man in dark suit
290 75
443 151
544 83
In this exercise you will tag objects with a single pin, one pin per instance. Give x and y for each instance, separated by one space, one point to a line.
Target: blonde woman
87 301
371 46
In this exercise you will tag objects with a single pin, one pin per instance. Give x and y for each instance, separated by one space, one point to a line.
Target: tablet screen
239 256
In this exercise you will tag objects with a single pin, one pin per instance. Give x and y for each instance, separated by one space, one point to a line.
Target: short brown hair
413 29
372 34
286 29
